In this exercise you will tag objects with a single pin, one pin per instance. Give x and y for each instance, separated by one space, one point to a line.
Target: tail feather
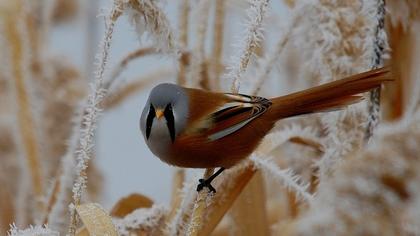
330 96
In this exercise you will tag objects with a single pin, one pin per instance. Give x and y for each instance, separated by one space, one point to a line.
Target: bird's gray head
164 115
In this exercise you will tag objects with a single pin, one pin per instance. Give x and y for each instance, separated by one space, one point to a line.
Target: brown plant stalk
118 96
90 117
183 40
25 119
229 190
379 51
178 181
124 63
249 209
218 36
199 66
200 205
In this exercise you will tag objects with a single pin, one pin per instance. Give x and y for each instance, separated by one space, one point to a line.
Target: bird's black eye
170 120
149 120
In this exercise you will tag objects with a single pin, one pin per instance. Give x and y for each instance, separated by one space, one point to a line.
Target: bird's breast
159 141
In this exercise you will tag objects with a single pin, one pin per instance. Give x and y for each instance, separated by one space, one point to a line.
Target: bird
194 128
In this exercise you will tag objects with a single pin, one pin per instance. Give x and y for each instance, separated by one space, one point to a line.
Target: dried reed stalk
271 59
397 96
199 73
7 207
252 37
404 17
90 117
379 47
178 181
52 199
117 96
67 164
183 16
14 33
179 217
229 190
249 209
122 65
197 217
293 204
218 39
313 143
33 34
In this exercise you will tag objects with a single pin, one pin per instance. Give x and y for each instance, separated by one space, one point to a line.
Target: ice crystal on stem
252 37
148 19
90 116
32 230
290 180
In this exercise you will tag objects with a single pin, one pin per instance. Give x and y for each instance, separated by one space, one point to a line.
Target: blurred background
298 181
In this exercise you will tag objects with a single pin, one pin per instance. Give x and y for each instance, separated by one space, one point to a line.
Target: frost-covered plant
333 37
320 176
148 18
248 43
32 230
370 193
149 221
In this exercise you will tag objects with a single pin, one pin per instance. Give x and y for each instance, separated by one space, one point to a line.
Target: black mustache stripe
170 121
149 121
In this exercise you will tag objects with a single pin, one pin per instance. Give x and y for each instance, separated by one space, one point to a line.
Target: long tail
330 96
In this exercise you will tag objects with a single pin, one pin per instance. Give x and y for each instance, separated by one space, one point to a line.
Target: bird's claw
205 183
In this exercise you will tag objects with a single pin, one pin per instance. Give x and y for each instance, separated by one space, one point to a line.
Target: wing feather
234 115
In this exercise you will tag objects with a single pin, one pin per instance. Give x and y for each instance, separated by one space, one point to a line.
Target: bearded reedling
195 128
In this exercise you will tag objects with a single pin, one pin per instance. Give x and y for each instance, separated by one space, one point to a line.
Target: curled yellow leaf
96 220
130 203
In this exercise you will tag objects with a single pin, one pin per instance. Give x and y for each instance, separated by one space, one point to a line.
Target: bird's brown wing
235 114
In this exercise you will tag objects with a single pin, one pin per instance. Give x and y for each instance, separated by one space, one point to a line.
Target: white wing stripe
230 130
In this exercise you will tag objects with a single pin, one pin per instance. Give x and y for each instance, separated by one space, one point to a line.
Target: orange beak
159 113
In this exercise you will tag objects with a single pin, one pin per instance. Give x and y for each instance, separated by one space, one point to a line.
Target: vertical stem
179 178
184 13
14 30
183 40
219 20
198 62
222 201
377 61
252 37
293 204
90 28
272 58
249 209
91 113
199 208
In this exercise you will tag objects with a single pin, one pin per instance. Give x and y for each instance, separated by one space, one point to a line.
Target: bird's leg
207 182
